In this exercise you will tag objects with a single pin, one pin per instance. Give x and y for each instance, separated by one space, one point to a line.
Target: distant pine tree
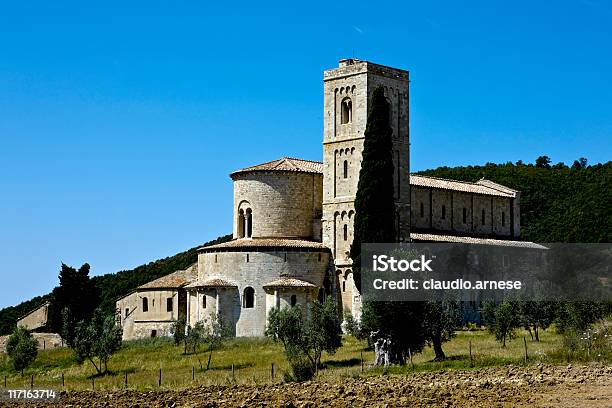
374 203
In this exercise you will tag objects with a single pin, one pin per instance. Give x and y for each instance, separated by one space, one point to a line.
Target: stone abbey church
293 221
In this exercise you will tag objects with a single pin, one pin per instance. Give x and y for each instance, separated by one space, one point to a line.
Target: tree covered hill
113 285
558 203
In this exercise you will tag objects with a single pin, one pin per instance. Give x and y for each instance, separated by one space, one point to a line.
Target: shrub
98 340
306 337
353 327
22 348
503 320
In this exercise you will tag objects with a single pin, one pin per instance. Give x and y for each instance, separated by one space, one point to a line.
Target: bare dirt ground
537 385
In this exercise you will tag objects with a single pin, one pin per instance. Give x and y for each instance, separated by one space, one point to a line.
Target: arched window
293 300
443 212
345 232
204 301
127 312
344 285
248 299
390 106
145 304
249 223
346 169
347 111
241 224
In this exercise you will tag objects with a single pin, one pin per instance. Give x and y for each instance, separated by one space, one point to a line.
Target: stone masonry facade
293 221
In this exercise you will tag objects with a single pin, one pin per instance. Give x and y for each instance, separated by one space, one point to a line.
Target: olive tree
97 340
306 337
21 348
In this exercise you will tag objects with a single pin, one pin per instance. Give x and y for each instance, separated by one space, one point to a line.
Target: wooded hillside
113 285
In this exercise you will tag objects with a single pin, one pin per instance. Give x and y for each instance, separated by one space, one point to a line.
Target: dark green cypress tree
77 294
402 322
374 203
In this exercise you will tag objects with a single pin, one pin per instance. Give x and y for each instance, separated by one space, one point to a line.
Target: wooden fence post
471 360
5 381
32 382
126 383
272 372
93 383
233 373
192 373
525 341
159 380
63 382
362 361
410 355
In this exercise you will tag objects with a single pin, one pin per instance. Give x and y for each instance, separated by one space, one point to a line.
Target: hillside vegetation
113 285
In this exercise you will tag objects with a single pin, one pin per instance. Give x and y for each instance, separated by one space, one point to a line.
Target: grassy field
253 358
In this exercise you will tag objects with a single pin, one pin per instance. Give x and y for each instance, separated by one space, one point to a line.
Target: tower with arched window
347 91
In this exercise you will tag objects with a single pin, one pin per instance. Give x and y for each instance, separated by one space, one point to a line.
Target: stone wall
346 289
156 321
463 213
250 269
283 204
143 330
46 341
281 298
159 308
125 310
36 318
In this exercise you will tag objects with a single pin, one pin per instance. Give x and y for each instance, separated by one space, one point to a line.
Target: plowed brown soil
538 385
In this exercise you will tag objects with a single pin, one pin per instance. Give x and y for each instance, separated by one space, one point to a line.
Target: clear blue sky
119 123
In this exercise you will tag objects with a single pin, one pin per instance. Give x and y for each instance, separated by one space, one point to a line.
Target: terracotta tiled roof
473 240
285 164
481 187
285 282
176 279
266 243
212 283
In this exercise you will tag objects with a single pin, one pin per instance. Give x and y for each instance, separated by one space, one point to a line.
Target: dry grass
253 358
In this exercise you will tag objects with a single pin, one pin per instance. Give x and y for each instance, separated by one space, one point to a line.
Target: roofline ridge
257 165
306 160
497 184
447 179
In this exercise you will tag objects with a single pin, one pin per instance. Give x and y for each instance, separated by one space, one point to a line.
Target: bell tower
347 92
